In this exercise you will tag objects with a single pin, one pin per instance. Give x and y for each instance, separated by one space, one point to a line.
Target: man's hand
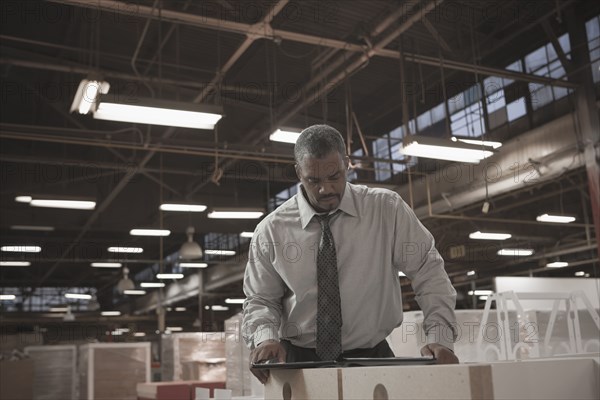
442 354
267 350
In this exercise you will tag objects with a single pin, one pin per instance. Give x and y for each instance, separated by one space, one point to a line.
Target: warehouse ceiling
268 64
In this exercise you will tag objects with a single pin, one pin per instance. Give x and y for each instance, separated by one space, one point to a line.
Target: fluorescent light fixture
219 308
235 301
488 143
483 297
87 95
111 314
286 135
131 250
193 265
400 273
489 236
470 273
21 249
180 309
557 264
443 149
174 328
220 252
133 292
236 214
23 199
106 264
139 334
123 330
159 112
183 207
68 204
579 273
152 284
515 252
15 263
247 235
149 232
561 219
32 228
7 297
480 292
59 309
78 296
169 276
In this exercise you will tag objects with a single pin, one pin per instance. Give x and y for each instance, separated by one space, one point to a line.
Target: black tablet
347 362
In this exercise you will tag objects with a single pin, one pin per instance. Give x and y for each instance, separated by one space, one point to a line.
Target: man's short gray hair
318 141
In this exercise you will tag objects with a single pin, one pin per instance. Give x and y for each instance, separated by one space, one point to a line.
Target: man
297 309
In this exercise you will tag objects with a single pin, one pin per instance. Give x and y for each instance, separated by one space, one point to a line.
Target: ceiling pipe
262 31
342 58
357 64
103 55
15 132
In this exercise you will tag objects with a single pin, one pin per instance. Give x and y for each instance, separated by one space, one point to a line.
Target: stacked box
16 378
112 370
238 356
55 372
240 380
198 356
18 341
163 391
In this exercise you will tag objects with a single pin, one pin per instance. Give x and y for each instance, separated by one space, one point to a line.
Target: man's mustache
331 196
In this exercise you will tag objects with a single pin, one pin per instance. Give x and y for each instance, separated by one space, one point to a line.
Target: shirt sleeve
264 290
415 255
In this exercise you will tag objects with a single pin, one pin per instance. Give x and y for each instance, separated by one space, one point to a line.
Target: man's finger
260 374
426 351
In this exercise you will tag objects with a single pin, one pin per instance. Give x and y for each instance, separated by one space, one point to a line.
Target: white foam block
318 384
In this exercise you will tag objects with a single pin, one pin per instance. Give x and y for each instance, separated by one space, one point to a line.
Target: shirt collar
347 205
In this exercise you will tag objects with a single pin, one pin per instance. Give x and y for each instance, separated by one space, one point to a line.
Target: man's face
324 180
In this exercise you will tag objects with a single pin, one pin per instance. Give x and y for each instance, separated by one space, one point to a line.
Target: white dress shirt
376 236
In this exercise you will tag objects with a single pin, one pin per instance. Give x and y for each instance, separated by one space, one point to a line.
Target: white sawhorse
506 350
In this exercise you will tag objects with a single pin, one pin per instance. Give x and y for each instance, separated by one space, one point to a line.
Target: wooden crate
112 370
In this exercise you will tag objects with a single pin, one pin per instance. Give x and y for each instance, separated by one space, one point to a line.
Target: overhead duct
537 156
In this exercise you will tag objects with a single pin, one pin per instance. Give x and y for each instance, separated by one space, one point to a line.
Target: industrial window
44 298
381 149
352 174
282 197
592 28
397 155
516 109
517 66
424 120
468 121
220 241
545 62
388 147
431 116
438 113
